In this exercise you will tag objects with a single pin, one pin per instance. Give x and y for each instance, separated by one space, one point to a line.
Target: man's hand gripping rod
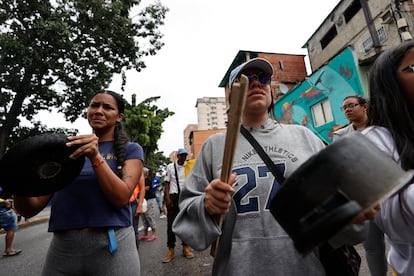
237 100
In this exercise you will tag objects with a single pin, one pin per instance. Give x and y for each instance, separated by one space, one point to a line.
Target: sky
201 40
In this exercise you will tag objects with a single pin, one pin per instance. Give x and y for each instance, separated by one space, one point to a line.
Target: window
367 43
352 10
328 37
322 113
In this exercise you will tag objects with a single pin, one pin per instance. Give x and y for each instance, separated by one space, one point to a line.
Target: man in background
174 177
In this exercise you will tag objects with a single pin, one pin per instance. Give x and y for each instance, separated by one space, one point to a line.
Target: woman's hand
367 214
139 212
88 145
219 195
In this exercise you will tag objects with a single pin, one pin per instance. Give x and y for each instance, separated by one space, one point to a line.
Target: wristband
98 163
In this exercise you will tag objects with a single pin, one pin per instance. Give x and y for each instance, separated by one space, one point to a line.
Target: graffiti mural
315 103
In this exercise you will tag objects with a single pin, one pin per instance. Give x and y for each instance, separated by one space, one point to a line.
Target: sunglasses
263 78
350 106
409 68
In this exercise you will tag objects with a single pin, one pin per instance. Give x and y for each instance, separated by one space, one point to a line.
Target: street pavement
151 253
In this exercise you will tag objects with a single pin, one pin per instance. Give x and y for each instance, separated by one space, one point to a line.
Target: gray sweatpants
87 253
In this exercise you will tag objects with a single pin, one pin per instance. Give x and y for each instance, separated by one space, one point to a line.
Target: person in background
163 204
391 128
136 206
8 221
355 108
91 217
251 240
148 218
156 183
173 181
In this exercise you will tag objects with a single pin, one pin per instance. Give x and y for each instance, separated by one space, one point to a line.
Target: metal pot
39 165
327 191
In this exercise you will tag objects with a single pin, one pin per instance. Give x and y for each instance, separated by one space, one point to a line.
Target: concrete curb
33 221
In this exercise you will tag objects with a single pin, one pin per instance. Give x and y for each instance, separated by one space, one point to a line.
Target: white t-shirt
170 177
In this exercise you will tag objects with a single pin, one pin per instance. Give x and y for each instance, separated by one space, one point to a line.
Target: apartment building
211 113
211 118
341 52
368 27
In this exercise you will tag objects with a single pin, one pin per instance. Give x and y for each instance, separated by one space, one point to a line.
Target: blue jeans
8 220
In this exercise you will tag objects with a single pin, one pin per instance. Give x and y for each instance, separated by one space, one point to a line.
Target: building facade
315 103
368 27
289 69
198 137
341 52
187 136
211 113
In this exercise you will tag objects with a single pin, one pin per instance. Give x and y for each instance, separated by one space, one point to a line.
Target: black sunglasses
263 78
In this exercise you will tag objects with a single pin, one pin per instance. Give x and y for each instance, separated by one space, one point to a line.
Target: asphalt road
151 254
34 239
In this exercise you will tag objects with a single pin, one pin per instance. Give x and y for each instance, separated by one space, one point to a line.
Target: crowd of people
94 219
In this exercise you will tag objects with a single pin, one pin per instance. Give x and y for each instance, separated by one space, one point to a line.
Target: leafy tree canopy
143 123
57 53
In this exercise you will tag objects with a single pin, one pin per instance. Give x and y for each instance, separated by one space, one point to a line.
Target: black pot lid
39 165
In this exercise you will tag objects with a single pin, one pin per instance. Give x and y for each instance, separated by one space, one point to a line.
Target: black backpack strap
176 177
269 163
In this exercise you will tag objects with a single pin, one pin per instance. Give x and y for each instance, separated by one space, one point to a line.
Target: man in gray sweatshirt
251 242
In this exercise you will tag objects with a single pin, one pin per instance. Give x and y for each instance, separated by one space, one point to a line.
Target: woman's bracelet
97 163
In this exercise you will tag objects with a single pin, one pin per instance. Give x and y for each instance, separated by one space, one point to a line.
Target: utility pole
371 26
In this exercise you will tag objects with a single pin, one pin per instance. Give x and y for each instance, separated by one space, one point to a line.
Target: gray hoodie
252 243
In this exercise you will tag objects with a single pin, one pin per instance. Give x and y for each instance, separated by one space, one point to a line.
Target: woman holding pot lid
91 217
391 128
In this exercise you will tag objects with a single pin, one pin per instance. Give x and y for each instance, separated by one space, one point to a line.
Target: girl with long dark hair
391 128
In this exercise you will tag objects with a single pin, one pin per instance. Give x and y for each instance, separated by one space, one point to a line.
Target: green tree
55 54
23 132
157 162
143 123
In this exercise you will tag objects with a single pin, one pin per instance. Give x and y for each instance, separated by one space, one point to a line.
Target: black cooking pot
39 165
327 191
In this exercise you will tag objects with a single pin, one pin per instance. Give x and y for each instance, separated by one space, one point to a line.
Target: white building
211 113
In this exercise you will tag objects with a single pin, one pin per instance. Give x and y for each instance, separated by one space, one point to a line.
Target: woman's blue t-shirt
82 204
